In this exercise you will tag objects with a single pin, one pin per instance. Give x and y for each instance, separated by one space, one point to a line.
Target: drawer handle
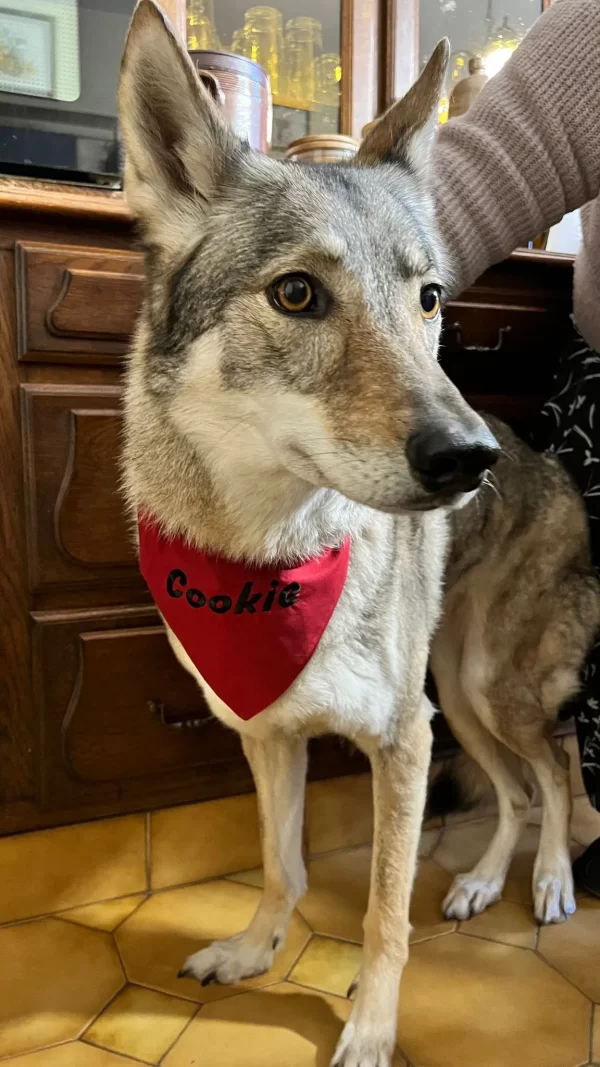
175 720
503 330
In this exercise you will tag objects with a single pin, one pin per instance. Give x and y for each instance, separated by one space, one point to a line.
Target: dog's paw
228 962
469 895
553 895
364 1047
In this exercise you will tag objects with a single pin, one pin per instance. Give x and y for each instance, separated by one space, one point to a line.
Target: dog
292 448
521 610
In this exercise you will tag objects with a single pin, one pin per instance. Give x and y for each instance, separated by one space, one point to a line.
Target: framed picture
26 53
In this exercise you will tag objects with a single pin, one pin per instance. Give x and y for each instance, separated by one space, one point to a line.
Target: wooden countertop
56 199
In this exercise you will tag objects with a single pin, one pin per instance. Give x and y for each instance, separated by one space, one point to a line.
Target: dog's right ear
403 133
175 140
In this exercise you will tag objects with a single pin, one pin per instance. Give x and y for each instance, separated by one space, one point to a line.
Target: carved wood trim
63 317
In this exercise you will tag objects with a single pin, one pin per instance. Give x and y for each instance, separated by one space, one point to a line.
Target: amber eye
294 294
430 301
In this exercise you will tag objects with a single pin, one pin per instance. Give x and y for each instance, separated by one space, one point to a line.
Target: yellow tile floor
97 919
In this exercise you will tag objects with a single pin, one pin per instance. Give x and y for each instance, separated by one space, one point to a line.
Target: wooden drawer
501 340
76 528
110 695
76 305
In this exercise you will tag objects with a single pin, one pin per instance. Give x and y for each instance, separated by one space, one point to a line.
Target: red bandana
249 631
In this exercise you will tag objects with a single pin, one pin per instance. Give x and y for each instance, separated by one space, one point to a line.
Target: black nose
447 460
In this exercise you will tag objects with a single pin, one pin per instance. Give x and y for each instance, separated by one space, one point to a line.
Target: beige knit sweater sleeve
529 148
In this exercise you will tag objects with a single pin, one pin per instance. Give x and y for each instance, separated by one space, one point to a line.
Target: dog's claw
208 978
351 991
185 972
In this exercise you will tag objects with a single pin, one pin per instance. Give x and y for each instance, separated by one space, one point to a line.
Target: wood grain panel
77 532
89 519
76 305
97 674
360 64
18 749
80 309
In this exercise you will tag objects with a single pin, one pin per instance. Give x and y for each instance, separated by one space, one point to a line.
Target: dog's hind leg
279 768
553 892
529 736
399 787
472 892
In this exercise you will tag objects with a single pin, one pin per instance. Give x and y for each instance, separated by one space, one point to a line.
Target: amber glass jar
322 148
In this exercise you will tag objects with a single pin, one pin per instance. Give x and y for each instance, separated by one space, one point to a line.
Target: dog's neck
228 503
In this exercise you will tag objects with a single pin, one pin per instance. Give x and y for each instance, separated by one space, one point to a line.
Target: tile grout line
127 1056
540 955
180 1035
44 1048
62 913
320 989
494 941
302 951
84 1030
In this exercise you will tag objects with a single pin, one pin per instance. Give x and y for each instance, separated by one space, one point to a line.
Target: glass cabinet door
482 33
297 43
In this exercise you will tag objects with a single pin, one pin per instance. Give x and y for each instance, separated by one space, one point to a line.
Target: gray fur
269 437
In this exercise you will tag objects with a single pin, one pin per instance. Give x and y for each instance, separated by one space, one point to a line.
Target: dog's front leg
279 768
399 788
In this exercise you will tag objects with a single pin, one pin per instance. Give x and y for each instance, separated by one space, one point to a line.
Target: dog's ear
175 140
403 134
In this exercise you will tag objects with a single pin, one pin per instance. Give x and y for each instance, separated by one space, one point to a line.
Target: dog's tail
456 784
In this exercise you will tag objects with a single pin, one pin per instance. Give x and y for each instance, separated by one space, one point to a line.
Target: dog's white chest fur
364 667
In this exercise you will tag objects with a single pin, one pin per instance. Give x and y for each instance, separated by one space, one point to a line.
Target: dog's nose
446 460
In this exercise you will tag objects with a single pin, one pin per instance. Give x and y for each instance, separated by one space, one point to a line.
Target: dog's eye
430 301
294 293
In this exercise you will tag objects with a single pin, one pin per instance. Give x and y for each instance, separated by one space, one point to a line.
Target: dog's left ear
403 133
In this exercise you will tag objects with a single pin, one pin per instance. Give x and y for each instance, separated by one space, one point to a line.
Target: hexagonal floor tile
283 1026
465 1002
328 965
141 1022
511 924
574 947
158 937
60 976
338 891
463 845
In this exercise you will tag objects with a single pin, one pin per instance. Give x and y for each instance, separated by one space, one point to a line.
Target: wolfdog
292 448
521 609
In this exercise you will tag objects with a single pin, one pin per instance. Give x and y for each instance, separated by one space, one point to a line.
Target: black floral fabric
569 426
